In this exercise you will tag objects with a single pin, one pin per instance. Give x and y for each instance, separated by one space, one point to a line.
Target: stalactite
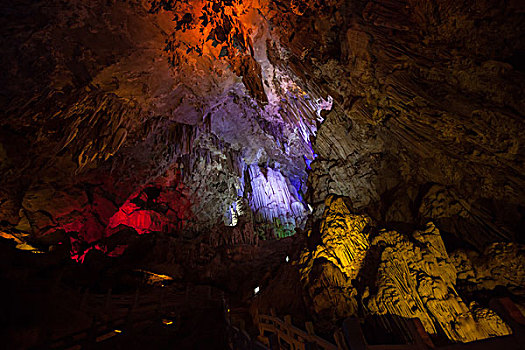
272 201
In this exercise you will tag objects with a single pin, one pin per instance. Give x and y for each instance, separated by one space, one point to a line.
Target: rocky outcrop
500 264
417 279
412 277
223 122
274 199
122 99
328 270
421 97
343 241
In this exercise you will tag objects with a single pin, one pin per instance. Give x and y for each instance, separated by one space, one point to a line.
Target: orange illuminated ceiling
217 28
206 32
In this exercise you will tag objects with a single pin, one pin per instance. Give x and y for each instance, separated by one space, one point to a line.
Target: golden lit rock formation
203 139
417 279
337 260
343 241
20 240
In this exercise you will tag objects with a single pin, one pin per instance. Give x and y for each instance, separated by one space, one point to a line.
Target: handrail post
132 309
309 328
354 334
274 342
161 300
288 319
56 284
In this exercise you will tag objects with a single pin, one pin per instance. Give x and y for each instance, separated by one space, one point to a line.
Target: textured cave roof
427 107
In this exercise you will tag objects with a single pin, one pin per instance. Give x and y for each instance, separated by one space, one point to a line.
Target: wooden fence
116 314
282 334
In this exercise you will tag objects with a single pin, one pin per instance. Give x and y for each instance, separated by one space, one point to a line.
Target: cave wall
406 274
101 102
424 141
391 131
425 94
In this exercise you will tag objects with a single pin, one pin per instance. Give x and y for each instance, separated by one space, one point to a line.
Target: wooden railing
282 334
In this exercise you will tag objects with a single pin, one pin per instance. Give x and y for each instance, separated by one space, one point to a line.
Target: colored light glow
233 215
271 197
155 278
167 322
308 163
208 28
143 221
153 208
21 244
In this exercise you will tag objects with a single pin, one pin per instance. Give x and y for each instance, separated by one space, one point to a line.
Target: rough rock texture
98 103
417 279
501 264
220 122
343 241
424 93
413 277
275 200
328 270
421 98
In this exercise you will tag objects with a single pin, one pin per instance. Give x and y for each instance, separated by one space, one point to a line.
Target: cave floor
50 302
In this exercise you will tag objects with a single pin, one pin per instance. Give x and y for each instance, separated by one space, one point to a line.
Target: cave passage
261 174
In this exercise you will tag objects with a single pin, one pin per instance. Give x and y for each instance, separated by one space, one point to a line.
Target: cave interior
262 174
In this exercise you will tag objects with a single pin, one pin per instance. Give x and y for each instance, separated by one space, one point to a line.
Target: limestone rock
343 241
332 294
328 271
467 220
416 278
500 264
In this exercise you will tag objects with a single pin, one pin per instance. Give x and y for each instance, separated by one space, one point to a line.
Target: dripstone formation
351 159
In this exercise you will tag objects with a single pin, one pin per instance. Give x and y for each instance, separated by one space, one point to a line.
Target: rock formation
210 131
414 277
327 271
501 264
417 279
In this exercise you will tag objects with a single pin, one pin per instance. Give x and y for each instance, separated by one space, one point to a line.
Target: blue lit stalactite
277 209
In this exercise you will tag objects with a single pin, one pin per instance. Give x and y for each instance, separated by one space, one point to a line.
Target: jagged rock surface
417 279
423 94
106 105
327 271
413 277
120 118
501 264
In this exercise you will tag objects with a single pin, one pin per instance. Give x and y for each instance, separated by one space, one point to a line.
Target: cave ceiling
194 111
378 145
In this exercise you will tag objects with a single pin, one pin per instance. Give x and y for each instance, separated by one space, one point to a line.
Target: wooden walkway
276 333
